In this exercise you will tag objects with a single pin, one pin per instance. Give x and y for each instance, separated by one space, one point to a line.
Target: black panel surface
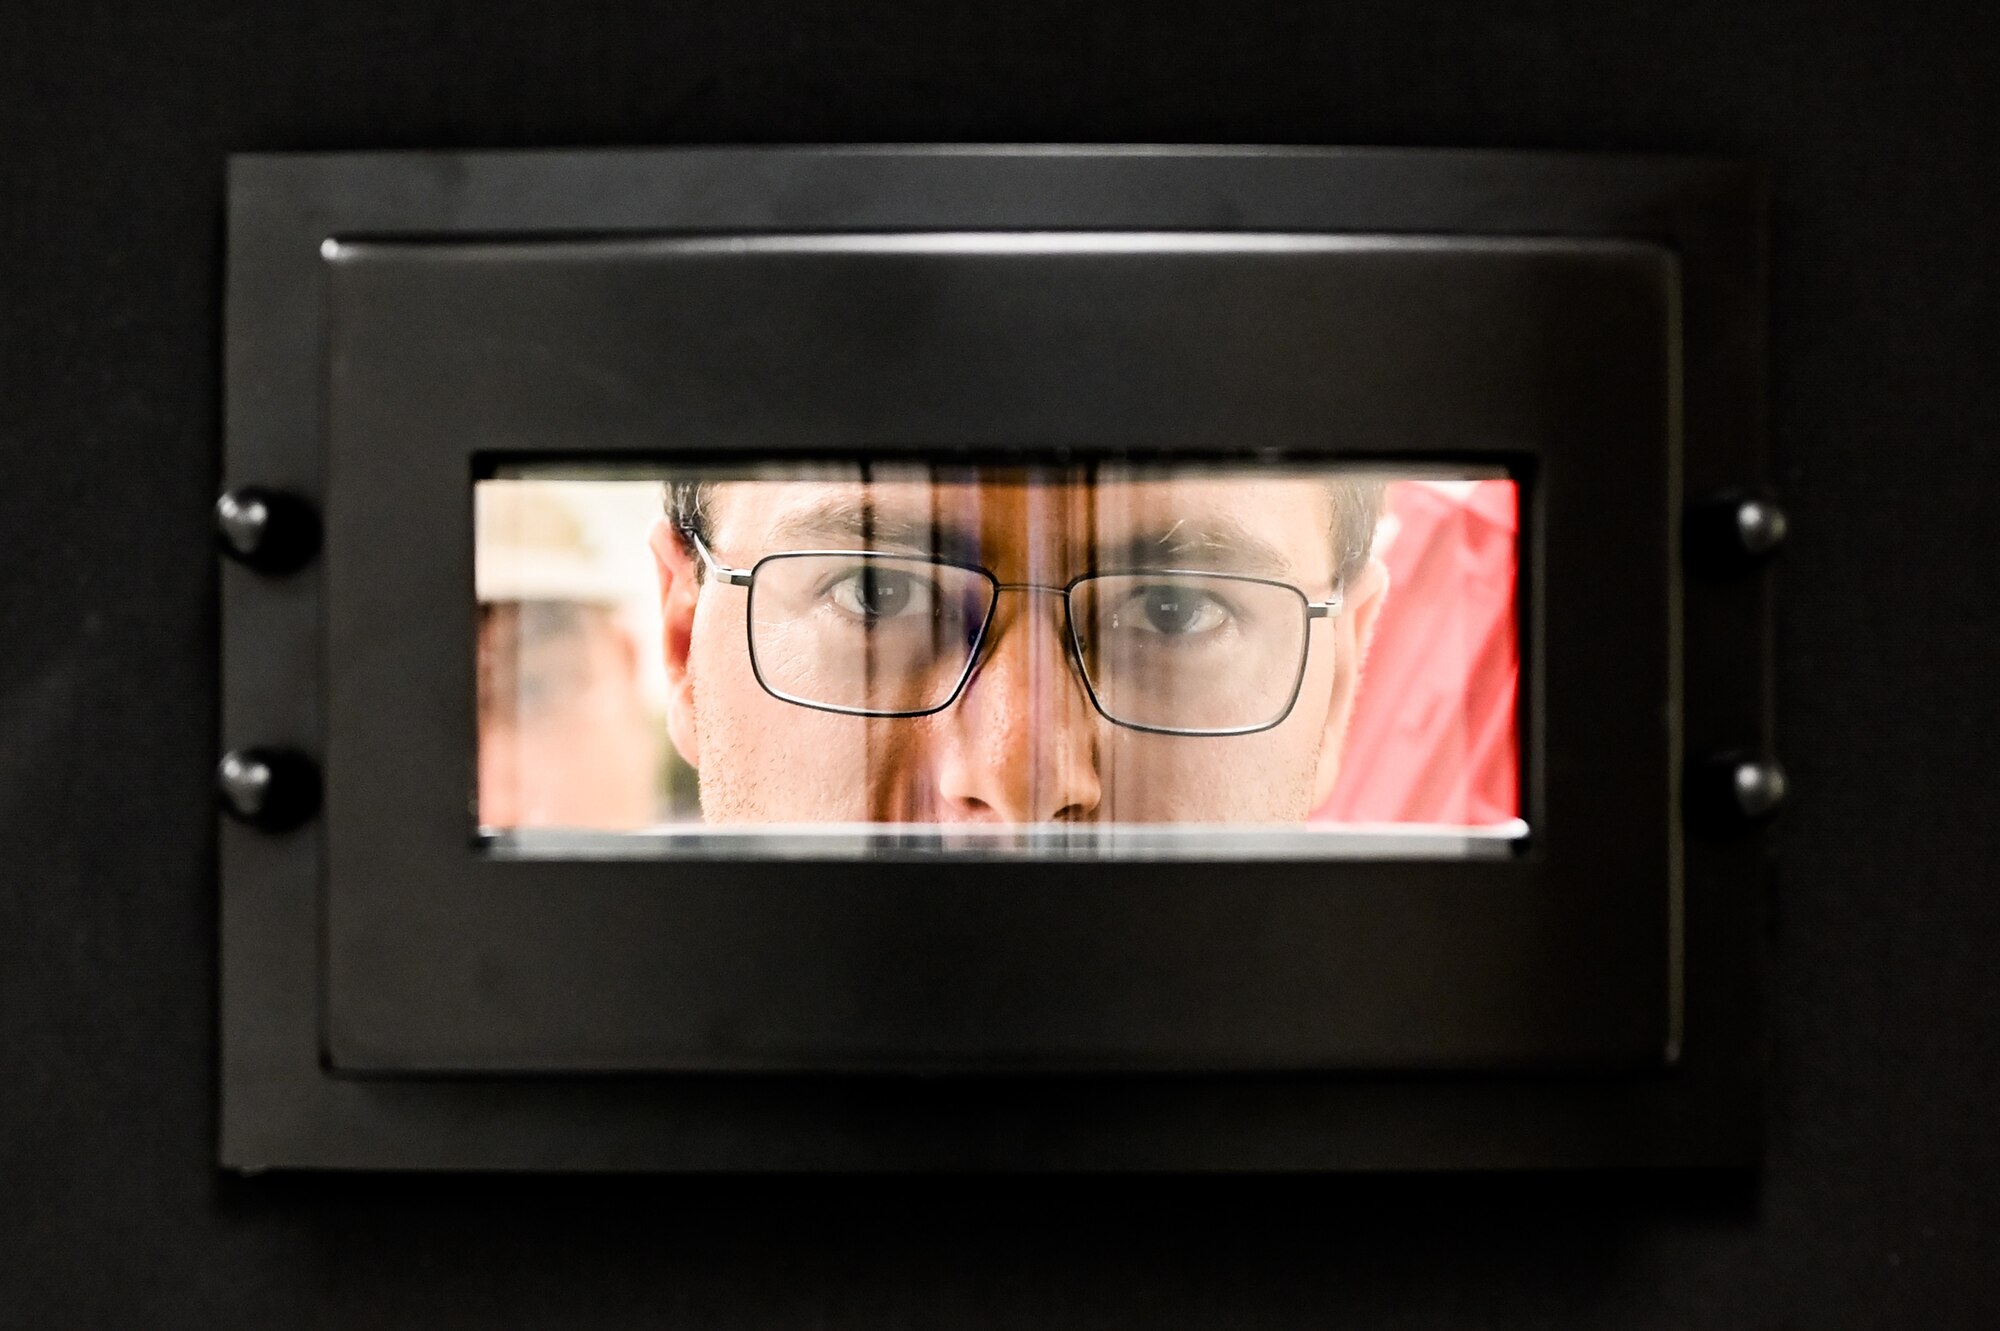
1554 354
448 977
1876 1206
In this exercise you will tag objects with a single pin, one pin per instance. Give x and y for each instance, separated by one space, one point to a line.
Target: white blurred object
581 541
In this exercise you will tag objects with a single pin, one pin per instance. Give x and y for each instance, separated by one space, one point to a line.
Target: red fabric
1433 737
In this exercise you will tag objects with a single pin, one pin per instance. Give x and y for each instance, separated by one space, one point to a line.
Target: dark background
1876 1207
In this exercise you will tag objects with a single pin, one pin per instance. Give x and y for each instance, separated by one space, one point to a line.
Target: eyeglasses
1170 651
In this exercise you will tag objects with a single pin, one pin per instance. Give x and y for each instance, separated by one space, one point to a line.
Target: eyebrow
865 525
1216 542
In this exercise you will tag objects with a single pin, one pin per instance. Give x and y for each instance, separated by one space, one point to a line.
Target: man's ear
1353 631
680 592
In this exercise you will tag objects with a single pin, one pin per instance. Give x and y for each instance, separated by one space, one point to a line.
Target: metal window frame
351 1040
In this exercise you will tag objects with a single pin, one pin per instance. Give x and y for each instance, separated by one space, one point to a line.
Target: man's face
1022 742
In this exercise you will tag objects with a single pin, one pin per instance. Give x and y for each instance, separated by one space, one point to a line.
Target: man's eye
1176 611
874 594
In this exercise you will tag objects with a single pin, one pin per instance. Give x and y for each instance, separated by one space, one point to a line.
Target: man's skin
1022 744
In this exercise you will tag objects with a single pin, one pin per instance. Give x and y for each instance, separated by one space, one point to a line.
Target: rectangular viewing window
1124 659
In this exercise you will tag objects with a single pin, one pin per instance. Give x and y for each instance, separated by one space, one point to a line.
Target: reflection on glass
979 652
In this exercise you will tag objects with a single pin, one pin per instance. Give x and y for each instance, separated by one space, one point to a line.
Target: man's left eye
1176 611
874 594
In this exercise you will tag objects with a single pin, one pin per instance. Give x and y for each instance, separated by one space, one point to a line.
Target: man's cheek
767 760
1188 779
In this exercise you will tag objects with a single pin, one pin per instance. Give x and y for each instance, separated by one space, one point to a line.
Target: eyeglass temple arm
1326 609
735 577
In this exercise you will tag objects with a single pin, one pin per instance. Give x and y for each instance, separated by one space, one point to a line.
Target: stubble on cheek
765 760
1266 777
1227 779
752 771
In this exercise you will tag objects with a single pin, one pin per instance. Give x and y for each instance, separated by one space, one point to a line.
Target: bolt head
268 530
275 789
1760 787
1761 526
244 520
1733 791
1731 533
244 781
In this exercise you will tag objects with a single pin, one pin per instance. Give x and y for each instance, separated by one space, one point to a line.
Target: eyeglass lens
1190 652
865 633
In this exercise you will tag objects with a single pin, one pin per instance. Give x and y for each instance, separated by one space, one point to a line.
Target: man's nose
1025 741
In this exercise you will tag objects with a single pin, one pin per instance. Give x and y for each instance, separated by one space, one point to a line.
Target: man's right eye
872 593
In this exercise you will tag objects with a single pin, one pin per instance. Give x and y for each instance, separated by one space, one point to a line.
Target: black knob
1734 791
269 530
1733 532
275 789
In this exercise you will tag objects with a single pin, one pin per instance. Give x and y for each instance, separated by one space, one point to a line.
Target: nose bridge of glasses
1032 589
1001 625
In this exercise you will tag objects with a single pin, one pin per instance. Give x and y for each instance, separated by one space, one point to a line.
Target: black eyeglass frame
1072 639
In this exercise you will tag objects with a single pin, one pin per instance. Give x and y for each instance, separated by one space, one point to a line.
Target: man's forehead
1263 526
760 507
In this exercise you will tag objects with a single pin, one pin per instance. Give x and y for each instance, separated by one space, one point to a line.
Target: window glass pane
1095 659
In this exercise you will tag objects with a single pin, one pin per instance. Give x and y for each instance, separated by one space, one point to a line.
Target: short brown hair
1356 506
